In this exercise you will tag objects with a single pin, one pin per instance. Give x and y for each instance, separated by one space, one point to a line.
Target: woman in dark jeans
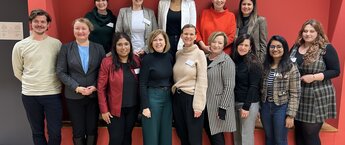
280 92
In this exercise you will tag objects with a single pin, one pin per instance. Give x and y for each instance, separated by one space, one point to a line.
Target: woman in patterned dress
318 63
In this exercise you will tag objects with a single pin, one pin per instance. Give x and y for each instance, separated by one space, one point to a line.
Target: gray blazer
70 70
124 22
220 93
258 31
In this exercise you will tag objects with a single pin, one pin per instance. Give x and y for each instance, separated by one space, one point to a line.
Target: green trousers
157 130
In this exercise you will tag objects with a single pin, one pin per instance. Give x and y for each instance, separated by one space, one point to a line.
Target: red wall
283 17
337 35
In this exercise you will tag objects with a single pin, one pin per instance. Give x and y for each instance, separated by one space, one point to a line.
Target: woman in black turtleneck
247 96
104 22
155 84
248 22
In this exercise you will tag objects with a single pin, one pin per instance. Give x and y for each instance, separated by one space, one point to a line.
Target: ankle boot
79 141
91 140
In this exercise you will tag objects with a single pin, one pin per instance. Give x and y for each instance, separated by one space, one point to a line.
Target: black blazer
70 71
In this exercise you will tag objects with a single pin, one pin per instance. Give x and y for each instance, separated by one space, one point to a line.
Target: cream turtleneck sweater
190 75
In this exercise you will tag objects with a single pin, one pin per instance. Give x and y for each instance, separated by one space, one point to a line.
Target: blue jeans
46 107
273 120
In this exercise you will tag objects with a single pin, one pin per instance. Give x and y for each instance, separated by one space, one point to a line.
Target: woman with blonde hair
155 84
220 101
216 18
77 68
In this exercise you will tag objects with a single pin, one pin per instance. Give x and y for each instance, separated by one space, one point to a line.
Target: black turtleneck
244 28
104 28
247 82
156 71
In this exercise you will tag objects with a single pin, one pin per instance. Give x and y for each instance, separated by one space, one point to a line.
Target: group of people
217 74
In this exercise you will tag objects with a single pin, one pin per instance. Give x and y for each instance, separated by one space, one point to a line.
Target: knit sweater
247 88
211 21
156 71
190 75
104 28
34 65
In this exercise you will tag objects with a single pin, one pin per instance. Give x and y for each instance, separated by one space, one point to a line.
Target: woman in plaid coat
280 91
220 101
318 63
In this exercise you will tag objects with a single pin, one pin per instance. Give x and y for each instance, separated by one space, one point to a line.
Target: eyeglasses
276 46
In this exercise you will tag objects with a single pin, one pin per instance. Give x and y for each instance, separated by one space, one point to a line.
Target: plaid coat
318 100
286 89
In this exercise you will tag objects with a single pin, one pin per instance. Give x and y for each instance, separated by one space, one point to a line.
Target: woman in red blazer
118 90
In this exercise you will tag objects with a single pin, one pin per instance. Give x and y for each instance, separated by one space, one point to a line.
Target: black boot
91 140
79 141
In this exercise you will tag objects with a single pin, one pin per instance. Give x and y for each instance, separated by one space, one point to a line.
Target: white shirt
138 30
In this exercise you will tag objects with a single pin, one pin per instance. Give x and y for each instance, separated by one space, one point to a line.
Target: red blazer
110 86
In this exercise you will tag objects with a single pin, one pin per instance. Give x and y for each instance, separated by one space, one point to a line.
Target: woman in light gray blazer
220 104
249 22
137 22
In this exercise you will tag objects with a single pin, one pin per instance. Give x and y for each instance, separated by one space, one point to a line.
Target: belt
179 91
270 99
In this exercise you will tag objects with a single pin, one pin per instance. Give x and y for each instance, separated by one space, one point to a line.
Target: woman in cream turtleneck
190 77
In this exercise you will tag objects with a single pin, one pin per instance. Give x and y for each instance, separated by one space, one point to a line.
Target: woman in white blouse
172 16
137 22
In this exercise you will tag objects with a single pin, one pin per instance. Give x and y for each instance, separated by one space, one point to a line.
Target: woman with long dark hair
247 92
279 93
118 92
249 22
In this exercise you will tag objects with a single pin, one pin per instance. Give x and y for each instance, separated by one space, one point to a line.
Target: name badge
190 62
110 25
293 59
137 70
146 21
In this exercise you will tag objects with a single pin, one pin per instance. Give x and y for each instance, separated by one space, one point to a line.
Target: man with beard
33 62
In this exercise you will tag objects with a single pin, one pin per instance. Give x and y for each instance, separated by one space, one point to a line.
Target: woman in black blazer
77 68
